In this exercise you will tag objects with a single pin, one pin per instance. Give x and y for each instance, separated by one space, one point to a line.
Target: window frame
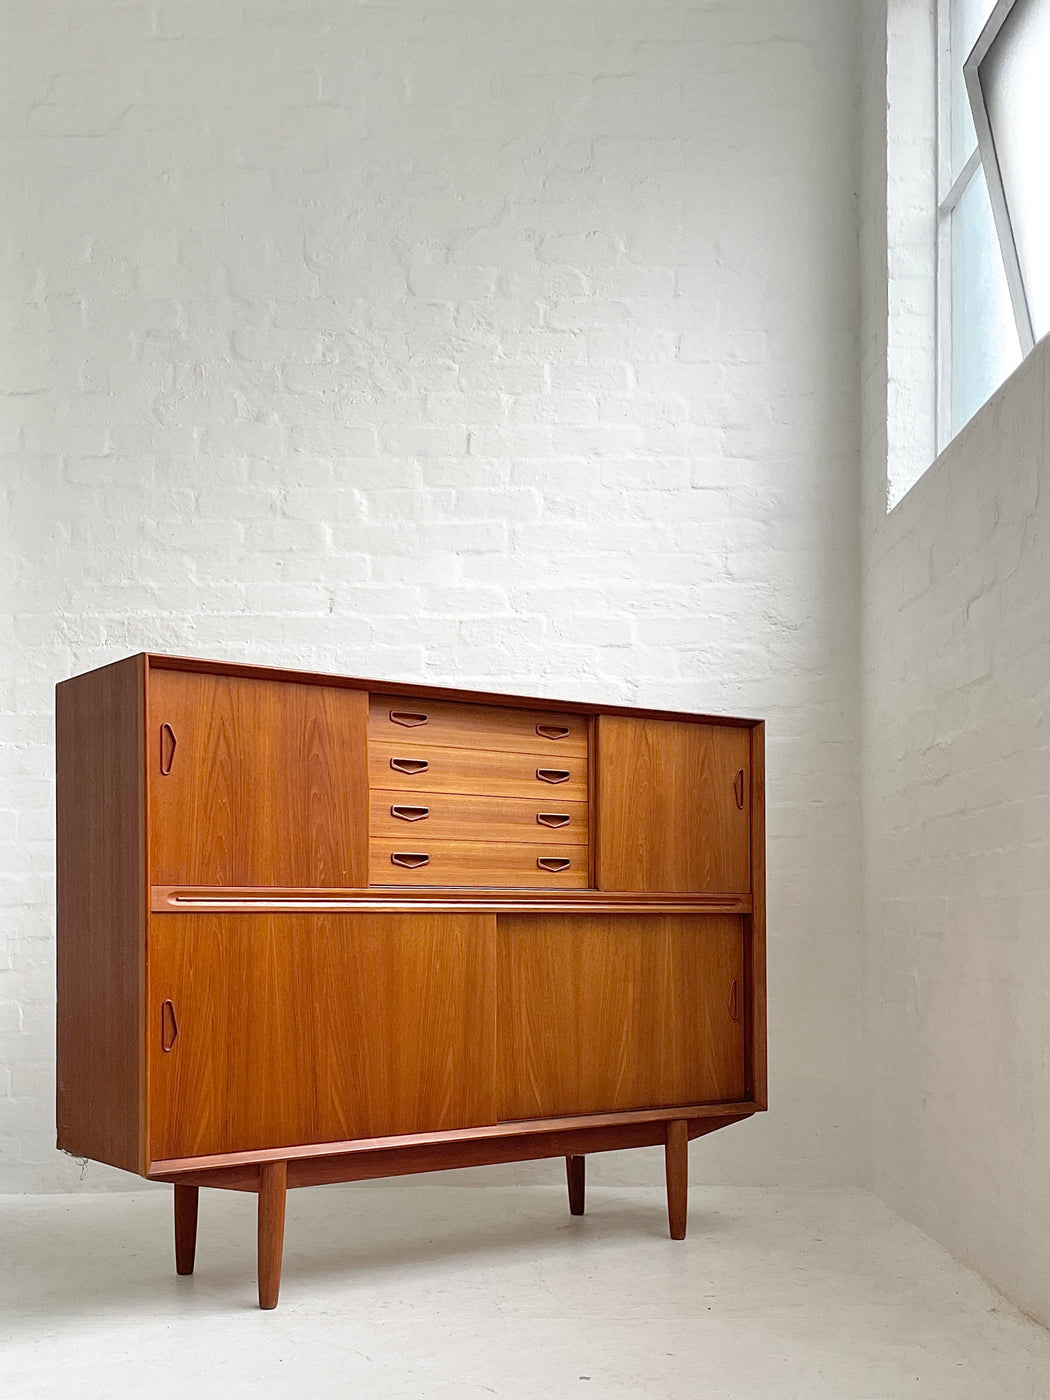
947 194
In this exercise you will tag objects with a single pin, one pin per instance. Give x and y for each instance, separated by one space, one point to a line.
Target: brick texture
511 344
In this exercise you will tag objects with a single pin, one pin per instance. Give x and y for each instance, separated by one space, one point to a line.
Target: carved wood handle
165 765
552 775
169 1026
411 860
738 789
553 862
410 814
411 719
734 1001
553 818
409 765
552 731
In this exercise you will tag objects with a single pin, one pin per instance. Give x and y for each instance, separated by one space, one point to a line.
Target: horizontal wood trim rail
433 1157
426 692
489 1135
184 899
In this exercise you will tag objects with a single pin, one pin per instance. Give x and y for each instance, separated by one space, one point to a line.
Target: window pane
985 348
1017 95
967 20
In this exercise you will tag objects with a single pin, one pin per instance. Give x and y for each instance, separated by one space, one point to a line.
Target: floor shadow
93 1256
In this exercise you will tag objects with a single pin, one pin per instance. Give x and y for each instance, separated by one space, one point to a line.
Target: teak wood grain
394 718
676 1170
484 772
305 1028
484 1138
100 806
602 1013
266 785
465 817
673 805
521 1146
279 1021
273 1194
475 863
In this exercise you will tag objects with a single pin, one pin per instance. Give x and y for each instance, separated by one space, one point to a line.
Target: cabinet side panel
101 913
755 969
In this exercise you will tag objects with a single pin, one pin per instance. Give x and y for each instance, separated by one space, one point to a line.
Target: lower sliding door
270 1030
598 1013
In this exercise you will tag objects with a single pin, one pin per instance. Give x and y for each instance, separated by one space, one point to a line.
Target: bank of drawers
476 795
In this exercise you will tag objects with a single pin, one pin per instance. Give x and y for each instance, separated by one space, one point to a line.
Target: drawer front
401 767
448 724
417 861
428 816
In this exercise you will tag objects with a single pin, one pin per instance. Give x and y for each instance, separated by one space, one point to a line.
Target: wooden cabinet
313 929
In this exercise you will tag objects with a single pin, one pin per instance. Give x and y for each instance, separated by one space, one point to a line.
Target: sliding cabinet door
270 1030
256 782
674 806
602 1013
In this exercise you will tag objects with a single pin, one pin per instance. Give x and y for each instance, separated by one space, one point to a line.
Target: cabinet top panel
159 661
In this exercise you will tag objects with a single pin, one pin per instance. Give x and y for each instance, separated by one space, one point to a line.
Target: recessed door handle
553 862
169 1026
411 860
411 719
552 731
410 814
552 775
168 742
734 1001
738 789
409 765
553 818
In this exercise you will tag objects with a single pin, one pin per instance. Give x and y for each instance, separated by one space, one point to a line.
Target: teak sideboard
315 929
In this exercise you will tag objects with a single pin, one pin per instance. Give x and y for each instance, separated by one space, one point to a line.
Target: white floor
472 1292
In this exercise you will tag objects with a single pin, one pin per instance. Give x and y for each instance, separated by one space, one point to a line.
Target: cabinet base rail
270 1179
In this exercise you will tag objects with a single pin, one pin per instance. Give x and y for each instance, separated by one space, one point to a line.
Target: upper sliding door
256 782
674 806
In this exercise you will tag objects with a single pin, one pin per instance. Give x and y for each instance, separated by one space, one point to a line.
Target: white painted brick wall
511 344
957 842
955 760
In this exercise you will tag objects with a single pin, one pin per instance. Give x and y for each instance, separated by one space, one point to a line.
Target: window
1006 79
977 339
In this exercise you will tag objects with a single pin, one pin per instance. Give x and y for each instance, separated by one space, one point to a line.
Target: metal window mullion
961 183
942 329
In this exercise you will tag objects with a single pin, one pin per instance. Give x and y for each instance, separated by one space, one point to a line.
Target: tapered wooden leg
575 1170
185 1227
273 1187
676 1161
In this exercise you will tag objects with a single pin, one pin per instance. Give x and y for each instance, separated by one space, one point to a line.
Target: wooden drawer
402 767
428 816
477 863
447 724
